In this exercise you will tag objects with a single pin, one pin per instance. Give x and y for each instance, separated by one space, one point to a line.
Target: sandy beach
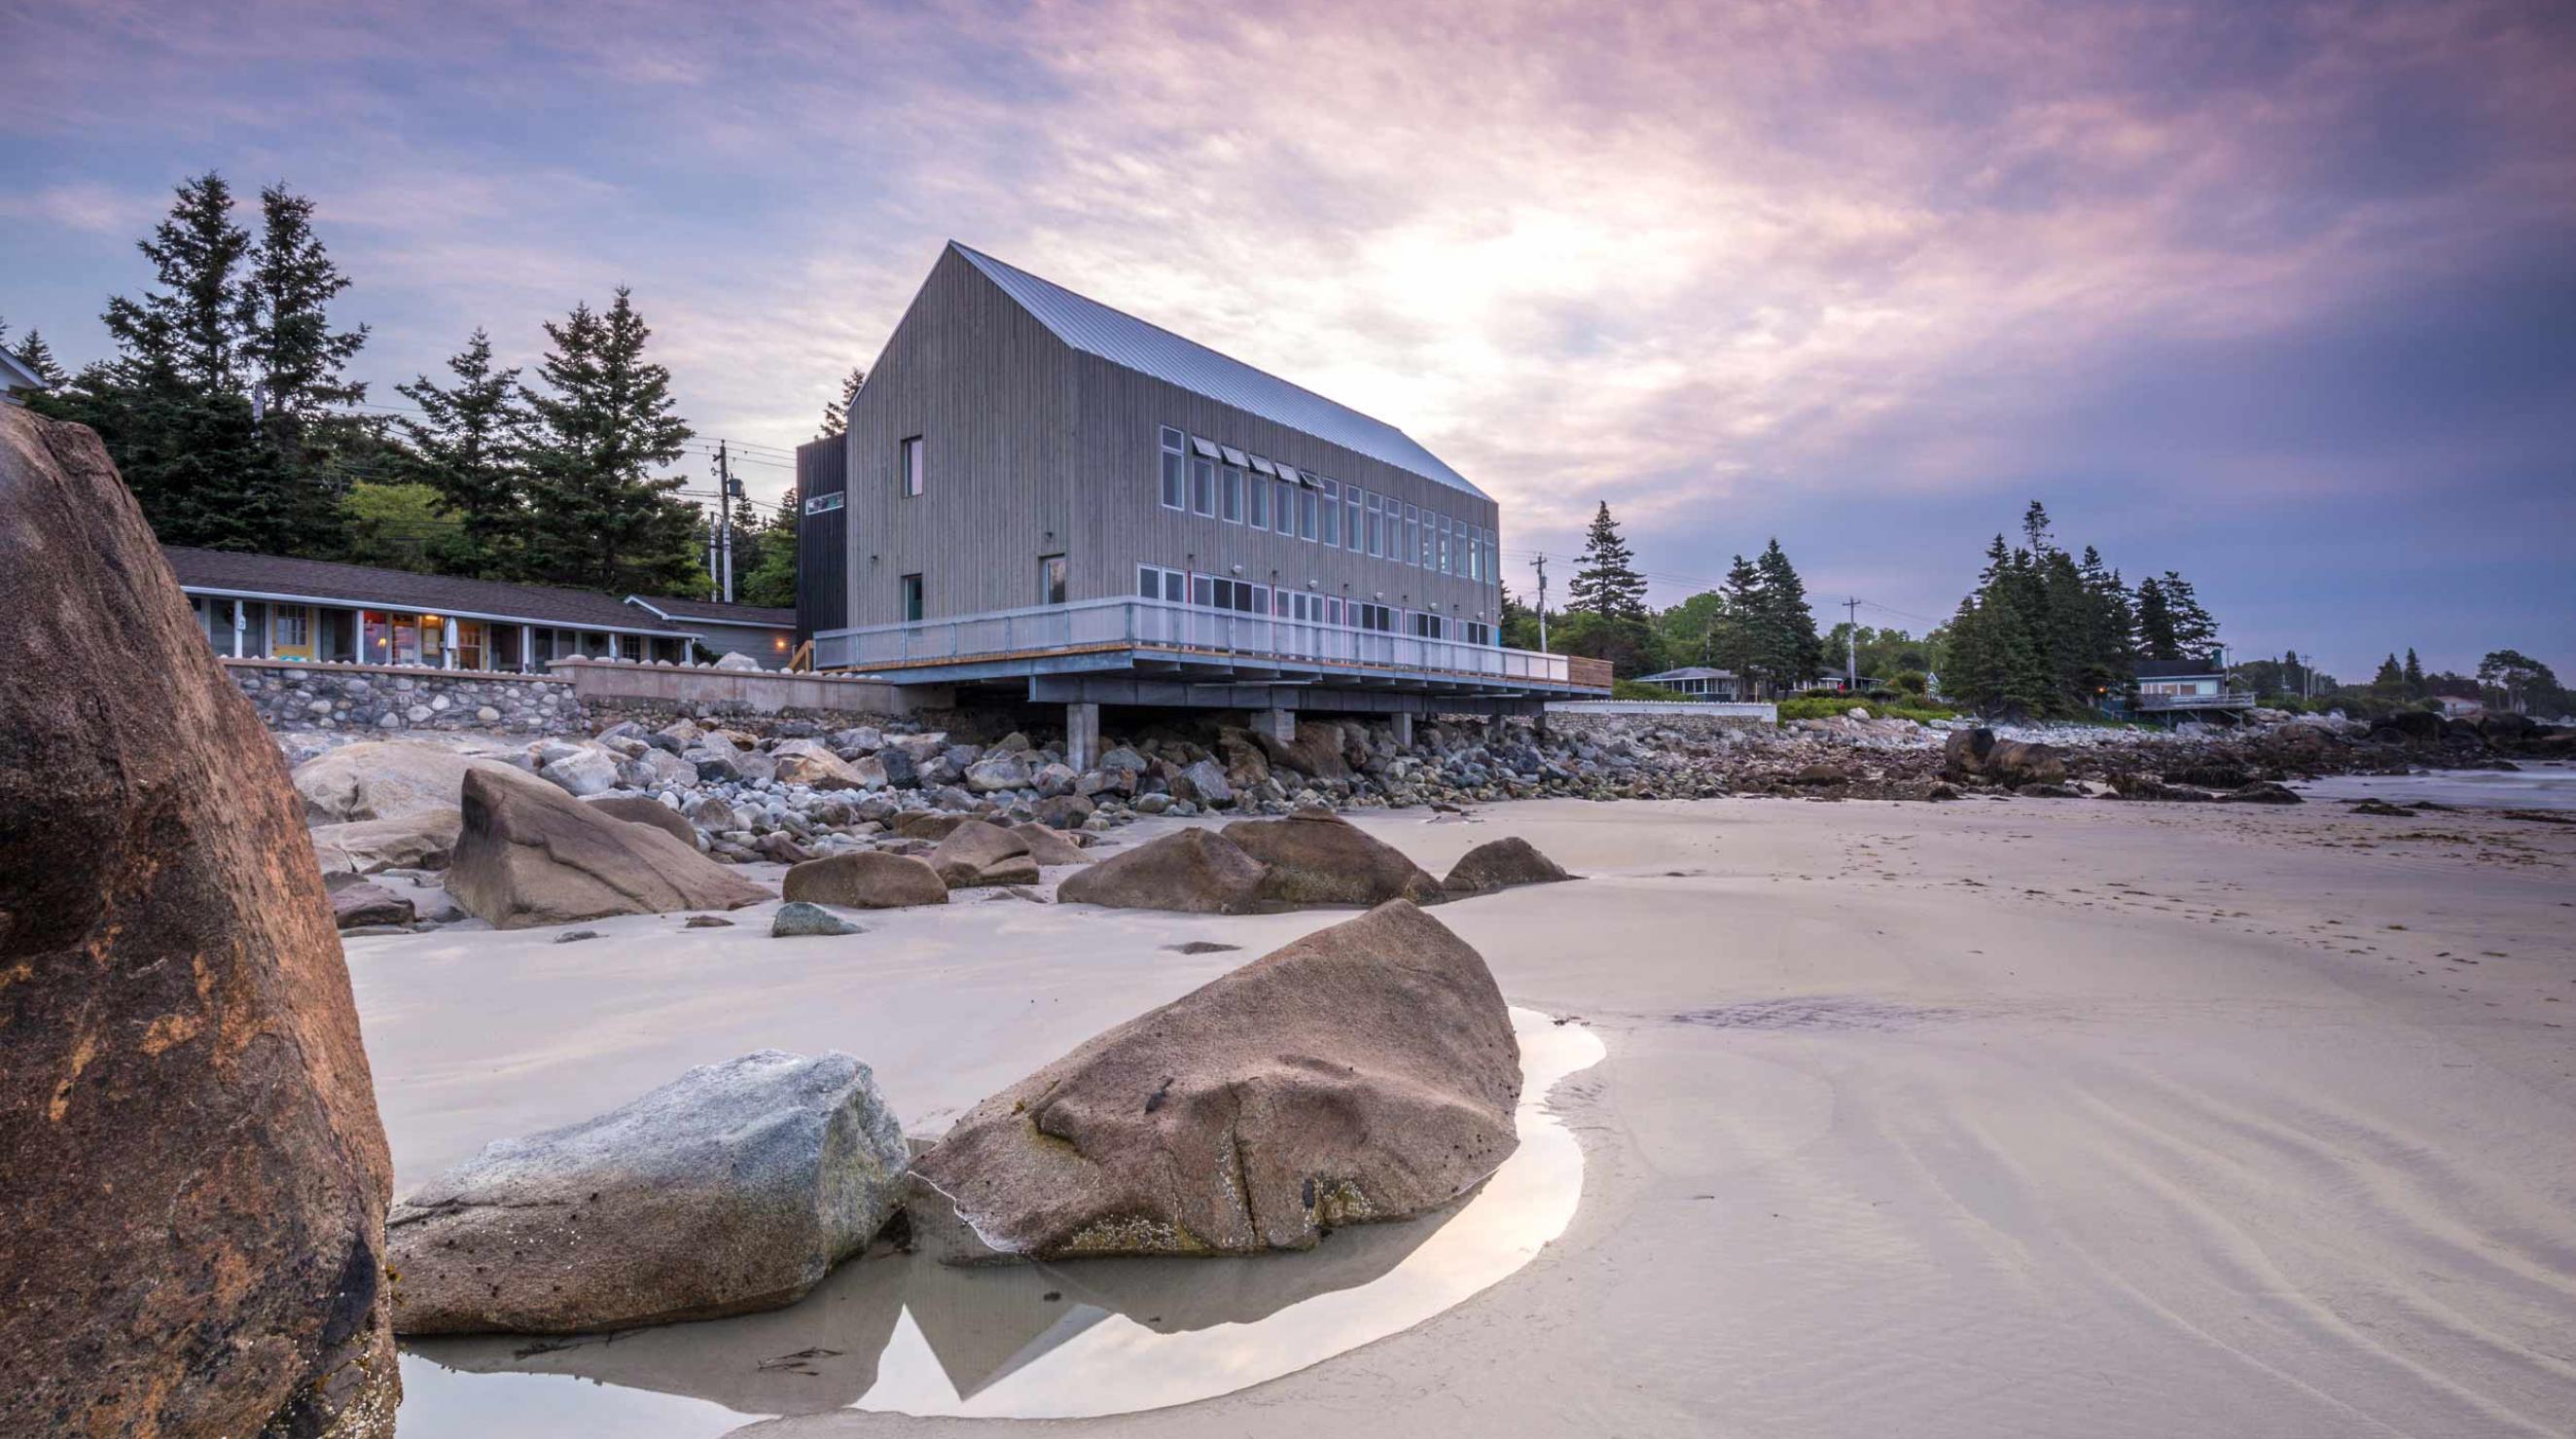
1997 1117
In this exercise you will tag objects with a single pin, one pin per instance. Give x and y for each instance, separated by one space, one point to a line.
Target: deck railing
2231 700
1130 623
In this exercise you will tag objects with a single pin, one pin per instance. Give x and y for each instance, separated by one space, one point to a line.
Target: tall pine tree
836 412
467 445
283 304
1606 582
1791 652
2156 637
601 519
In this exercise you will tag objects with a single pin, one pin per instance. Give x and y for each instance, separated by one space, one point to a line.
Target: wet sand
1996 1117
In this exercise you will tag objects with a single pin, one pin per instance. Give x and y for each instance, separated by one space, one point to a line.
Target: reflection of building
758 631
269 606
1697 682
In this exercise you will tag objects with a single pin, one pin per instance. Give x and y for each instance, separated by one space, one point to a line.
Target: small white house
1696 682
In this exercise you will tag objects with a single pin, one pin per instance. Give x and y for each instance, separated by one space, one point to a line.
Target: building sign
822 504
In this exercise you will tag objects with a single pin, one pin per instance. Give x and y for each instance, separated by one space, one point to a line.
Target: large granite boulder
1047 847
531 854
645 809
356 902
417 839
1978 754
865 879
384 779
192 1175
1365 1072
1314 857
1000 770
976 853
1500 864
809 762
1196 871
588 770
733 1188
1316 750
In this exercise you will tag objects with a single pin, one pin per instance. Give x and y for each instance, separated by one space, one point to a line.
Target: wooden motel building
1044 499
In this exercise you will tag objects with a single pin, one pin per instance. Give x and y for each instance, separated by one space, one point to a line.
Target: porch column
1278 724
612 644
1082 735
239 624
1404 729
527 649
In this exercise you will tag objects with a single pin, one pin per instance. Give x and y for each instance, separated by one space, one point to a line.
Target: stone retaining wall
293 697
1650 719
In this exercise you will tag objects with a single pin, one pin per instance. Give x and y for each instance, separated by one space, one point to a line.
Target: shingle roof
2178 669
230 572
1122 339
718 611
1688 672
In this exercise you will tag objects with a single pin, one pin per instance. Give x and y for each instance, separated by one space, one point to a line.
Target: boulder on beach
735 1187
531 854
976 853
1195 871
920 824
797 919
385 779
356 902
644 809
1315 857
1315 751
1365 1072
1047 847
192 1173
586 770
1978 754
2262 791
809 762
419 839
865 879
1501 864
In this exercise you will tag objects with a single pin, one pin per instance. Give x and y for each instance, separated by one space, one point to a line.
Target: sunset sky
2281 296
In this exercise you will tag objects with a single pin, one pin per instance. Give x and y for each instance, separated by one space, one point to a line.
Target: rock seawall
385 699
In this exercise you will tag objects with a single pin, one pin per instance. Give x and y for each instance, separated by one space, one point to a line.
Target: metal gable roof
1122 339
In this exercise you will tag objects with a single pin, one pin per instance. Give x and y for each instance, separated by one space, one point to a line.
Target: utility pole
724 509
1542 604
1851 644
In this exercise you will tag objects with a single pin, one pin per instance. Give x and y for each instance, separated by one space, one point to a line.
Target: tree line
228 409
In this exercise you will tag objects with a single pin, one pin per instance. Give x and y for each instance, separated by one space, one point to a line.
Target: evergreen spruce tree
467 445
283 309
1606 582
2390 682
2195 633
836 413
1734 640
2414 675
2110 660
604 422
38 356
1791 651
2156 638
188 333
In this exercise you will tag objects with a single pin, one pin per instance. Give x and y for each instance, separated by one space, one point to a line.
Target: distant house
764 633
1696 682
274 607
2454 707
2179 688
16 380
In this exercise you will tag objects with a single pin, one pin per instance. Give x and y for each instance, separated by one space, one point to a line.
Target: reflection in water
1066 1340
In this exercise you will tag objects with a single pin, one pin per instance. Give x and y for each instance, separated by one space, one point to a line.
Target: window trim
1173 477
1055 578
912 600
912 466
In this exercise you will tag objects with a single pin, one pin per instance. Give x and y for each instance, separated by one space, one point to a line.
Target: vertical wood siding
1035 448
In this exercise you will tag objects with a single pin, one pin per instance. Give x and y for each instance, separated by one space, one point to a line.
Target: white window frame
1331 537
1229 494
1173 479
912 466
1202 487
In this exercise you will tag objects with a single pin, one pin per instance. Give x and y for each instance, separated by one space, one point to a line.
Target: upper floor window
911 471
1176 468
1373 504
1414 554
1230 496
1287 498
1332 508
911 597
1352 530
1051 577
1202 486
1256 501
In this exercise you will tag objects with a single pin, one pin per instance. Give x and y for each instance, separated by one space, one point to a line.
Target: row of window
1220 482
1154 582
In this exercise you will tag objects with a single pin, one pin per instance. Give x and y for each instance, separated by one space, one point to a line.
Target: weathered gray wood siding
1036 448
986 387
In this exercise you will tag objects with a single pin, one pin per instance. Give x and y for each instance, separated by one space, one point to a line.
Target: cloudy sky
2282 296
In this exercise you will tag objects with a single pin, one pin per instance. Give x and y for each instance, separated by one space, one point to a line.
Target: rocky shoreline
797 793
